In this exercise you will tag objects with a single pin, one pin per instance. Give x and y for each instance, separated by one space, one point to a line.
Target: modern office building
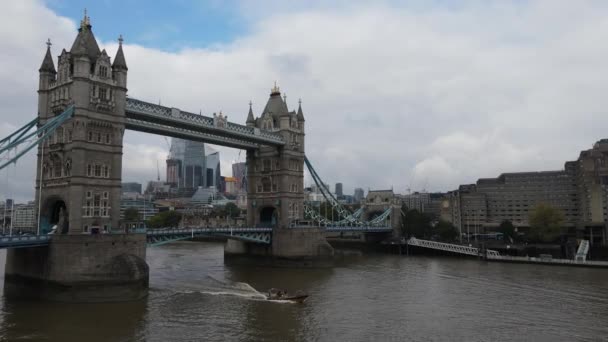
186 164
144 205
24 218
239 172
131 187
358 195
338 190
213 175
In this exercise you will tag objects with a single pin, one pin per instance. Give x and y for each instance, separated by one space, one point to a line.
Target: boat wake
234 289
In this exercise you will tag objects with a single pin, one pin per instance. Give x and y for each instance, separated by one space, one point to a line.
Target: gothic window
97 170
266 184
89 172
107 138
68 167
59 135
104 208
57 168
105 195
88 194
266 165
106 171
90 136
103 71
98 137
87 208
69 135
103 93
96 204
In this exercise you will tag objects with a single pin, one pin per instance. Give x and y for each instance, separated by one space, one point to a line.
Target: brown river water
195 296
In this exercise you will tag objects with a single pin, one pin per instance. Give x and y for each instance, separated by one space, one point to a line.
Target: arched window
59 136
57 168
266 183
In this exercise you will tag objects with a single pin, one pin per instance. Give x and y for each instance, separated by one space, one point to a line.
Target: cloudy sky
408 94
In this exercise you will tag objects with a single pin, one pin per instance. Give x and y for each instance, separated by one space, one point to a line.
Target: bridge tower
275 176
78 180
275 189
82 161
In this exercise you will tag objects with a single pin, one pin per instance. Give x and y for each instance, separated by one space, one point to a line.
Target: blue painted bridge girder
157 237
153 118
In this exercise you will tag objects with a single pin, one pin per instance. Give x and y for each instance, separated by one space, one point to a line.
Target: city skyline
448 119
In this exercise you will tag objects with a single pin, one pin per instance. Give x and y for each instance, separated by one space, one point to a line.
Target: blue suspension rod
25 128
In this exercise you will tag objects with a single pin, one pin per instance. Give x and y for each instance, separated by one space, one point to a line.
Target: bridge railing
448 247
176 231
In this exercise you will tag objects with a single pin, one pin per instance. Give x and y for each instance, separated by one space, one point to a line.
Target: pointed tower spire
250 119
300 114
119 60
47 62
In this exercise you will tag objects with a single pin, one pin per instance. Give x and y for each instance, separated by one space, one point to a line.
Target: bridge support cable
40 135
343 212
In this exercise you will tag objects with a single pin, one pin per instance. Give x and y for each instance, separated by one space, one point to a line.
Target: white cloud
426 96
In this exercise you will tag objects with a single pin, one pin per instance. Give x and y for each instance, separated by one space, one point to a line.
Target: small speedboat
276 295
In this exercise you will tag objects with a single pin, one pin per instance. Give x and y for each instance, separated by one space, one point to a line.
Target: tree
507 229
131 214
446 231
545 223
165 219
415 223
232 210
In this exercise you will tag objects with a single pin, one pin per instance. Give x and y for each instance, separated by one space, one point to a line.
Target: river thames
194 296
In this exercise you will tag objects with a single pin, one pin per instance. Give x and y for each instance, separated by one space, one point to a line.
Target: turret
85 49
250 120
119 67
300 116
47 70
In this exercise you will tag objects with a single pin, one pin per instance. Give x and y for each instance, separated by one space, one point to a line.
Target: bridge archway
56 213
268 216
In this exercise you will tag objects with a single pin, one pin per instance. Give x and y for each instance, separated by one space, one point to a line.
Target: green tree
232 210
415 223
446 231
507 229
545 223
131 214
165 219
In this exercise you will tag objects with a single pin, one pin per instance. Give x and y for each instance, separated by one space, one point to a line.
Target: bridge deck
152 118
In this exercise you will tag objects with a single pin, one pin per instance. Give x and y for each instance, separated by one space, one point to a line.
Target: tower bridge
83 112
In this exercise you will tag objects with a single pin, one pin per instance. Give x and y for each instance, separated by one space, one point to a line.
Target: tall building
338 190
213 169
186 164
239 172
358 195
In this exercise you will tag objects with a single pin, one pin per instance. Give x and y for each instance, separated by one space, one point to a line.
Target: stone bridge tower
82 160
78 185
275 196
